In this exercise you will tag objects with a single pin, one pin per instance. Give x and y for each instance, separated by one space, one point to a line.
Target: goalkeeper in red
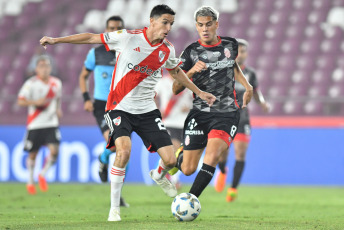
210 63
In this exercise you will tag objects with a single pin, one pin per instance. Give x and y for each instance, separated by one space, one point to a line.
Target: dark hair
114 18
159 10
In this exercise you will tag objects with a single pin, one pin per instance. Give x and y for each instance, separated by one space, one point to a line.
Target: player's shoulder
135 31
168 43
192 46
227 39
56 80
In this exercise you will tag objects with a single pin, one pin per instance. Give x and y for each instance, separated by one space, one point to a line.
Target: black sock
238 169
222 166
202 179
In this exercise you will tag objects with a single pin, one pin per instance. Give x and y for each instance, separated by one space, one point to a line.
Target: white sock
30 164
160 171
49 161
117 176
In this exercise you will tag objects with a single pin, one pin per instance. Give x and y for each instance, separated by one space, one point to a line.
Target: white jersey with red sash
35 89
174 108
138 68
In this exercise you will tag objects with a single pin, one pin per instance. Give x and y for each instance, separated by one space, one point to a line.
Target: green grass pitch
86 206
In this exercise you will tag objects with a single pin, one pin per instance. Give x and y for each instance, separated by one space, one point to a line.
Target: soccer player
102 63
42 95
210 62
130 106
242 138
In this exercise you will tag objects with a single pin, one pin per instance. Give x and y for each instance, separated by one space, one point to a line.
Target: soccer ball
185 207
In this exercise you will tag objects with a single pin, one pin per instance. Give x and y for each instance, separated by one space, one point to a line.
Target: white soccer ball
186 207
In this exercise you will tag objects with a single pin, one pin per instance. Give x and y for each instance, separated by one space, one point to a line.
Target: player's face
242 54
114 26
206 28
43 69
162 25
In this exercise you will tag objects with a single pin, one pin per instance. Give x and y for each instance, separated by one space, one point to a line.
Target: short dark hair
114 18
159 10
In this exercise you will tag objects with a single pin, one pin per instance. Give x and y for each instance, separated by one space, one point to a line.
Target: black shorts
36 138
98 112
244 127
200 126
147 125
175 133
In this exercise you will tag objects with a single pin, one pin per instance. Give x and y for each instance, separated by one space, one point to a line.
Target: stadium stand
296 47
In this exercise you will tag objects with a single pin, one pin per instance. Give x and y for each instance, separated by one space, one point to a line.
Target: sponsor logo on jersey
143 69
227 53
216 54
194 132
192 124
220 64
161 55
187 140
117 121
137 49
119 31
204 56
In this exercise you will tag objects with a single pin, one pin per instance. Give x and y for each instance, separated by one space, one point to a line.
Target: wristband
86 96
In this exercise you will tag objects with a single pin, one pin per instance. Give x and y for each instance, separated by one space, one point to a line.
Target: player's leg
49 161
104 159
240 147
120 124
117 175
156 139
30 165
221 178
214 149
50 137
32 143
176 142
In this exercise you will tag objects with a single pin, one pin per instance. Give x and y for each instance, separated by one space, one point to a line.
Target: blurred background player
174 109
243 135
130 105
42 95
102 63
210 62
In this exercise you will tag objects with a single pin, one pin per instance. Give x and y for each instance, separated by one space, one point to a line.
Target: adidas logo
137 49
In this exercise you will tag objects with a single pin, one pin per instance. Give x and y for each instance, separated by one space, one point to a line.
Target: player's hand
247 97
88 106
265 107
59 113
208 97
46 41
199 67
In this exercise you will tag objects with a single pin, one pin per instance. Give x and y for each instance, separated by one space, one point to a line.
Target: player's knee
113 149
189 169
123 155
171 162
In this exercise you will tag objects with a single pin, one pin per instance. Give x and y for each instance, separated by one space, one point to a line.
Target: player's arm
83 84
259 98
197 68
240 77
22 101
84 38
184 80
